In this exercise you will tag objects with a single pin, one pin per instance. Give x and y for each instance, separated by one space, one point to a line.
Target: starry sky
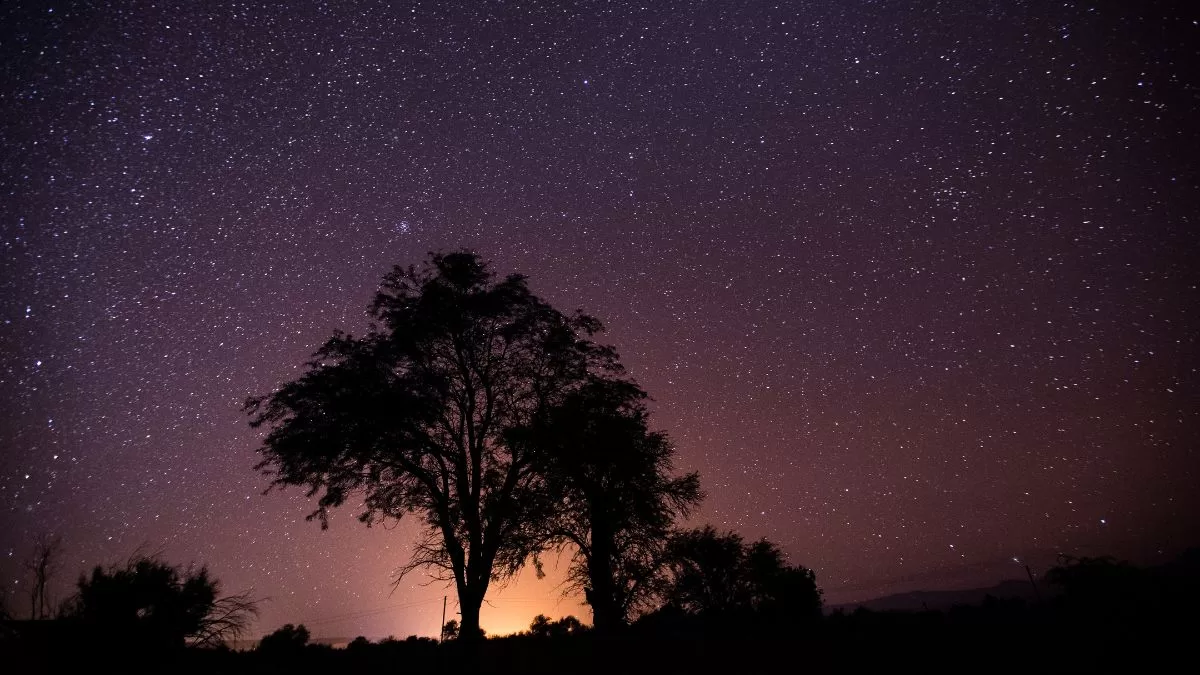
913 285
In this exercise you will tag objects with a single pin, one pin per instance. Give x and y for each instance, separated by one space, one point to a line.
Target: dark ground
1003 637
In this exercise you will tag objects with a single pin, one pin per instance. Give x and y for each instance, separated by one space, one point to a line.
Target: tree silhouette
157 605
780 592
414 417
540 626
568 625
707 572
1101 587
287 639
543 627
612 478
450 630
718 575
42 565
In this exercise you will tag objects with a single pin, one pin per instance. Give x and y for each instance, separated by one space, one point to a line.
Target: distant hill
915 601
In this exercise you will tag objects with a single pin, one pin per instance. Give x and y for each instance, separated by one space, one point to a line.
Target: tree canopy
719 575
288 639
416 416
153 604
618 500
543 626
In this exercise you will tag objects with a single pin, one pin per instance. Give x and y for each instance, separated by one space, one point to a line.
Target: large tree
611 478
415 417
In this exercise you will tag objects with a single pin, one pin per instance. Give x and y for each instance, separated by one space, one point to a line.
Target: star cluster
913 285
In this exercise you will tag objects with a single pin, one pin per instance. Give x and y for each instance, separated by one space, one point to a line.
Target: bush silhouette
543 627
287 639
717 576
150 604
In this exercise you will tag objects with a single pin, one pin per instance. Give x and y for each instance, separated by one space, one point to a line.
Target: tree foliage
287 639
1101 587
414 417
718 575
156 605
543 627
617 499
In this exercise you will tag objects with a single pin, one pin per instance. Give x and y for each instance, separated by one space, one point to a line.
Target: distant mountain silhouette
942 600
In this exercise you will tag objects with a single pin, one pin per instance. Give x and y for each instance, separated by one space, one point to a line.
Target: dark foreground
999 637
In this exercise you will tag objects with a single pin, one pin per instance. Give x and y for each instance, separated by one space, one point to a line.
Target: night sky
914 288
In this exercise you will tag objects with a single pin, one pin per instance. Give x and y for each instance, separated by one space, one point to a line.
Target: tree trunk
606 613
469 628
470 599
467 653
606 616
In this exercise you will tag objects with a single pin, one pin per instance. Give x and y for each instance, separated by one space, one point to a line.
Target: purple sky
915 290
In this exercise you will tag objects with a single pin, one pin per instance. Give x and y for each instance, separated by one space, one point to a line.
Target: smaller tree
543 627
450 630
157 605
707 575
1101 588
287 639
42 566
718 576
568 625
615 497
780 592
540 627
